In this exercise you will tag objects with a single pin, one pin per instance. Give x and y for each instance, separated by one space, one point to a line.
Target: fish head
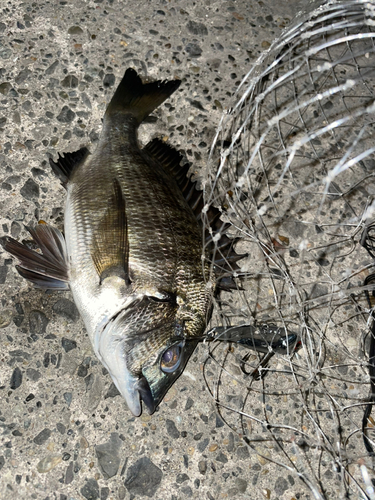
145 348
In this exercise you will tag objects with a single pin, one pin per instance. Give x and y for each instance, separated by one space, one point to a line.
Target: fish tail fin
137 98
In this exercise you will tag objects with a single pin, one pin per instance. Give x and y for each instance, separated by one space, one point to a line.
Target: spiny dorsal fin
168 157
221 251
137 98
65 164
170 160
110 251
48 269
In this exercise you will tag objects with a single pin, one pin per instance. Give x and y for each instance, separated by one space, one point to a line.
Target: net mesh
292 170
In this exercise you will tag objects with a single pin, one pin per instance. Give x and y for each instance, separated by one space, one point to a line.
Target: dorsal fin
168 157
65 164
170 160
221 251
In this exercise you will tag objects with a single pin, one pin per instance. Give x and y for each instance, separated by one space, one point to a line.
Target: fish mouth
135 391
145 394
128 388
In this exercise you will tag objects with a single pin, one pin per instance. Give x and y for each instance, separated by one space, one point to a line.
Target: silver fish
132 253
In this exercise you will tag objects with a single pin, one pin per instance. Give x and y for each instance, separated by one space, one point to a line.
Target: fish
141 267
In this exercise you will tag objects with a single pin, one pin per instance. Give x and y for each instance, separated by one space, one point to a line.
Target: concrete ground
66 433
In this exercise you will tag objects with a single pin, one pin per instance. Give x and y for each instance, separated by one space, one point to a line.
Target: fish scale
146 224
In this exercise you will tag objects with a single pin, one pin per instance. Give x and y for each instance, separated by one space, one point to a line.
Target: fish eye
163 297
171 358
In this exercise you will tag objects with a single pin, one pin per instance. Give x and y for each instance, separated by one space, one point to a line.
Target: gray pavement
65 433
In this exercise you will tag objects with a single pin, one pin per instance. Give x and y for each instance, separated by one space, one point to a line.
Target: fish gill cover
292 168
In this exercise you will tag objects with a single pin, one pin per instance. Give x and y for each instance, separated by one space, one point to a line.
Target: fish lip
129 391
135 391
108 347
146 395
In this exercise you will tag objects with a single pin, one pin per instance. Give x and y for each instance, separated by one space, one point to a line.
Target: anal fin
65 164
110 249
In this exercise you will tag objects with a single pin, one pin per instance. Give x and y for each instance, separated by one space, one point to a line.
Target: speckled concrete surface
66 434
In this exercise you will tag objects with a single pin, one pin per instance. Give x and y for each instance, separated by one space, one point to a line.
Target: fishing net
292 170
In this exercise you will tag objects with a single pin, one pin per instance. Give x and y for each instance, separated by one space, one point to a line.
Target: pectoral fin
48 269
110 250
